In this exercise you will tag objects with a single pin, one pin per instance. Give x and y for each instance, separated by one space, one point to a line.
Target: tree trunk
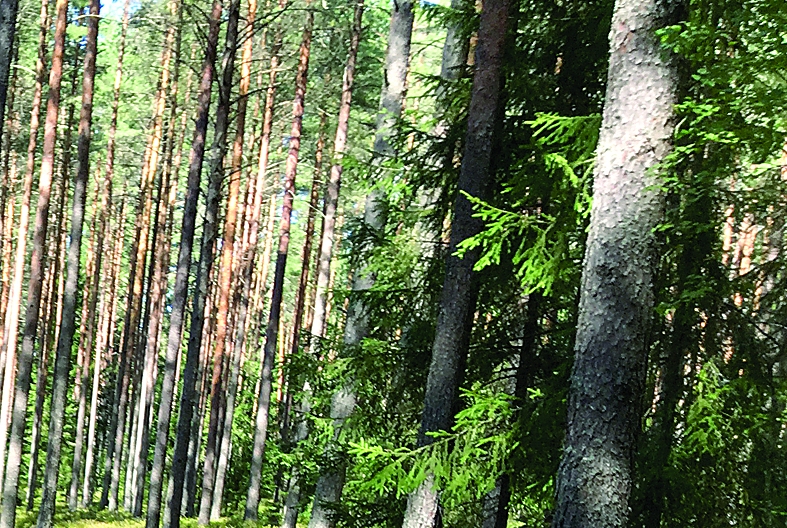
331 480
180 295
224 432
14 303
460 291
331 200
63 355
225 269
306 255
105 204
594 479
8 11
261 422
35 283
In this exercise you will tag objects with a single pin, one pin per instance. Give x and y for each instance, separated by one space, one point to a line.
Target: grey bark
216 179
35 283
607 381
332 475
188 393
271 338
60 378
459 294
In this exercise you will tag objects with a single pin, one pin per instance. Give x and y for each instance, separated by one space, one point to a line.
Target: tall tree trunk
224 432
331 480
35 283
63 355
225 267
460 291
594 479
331 201
14 303
264 397
50 335
109 495
8 11
306 255
105 204
180 295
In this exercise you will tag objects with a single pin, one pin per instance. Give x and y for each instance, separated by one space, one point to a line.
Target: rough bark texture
458 298
35 283
594 479
264 397
67 326
180 294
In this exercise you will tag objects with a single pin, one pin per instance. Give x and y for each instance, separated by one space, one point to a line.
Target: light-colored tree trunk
261 421
331 480
616 299
459 294
35 283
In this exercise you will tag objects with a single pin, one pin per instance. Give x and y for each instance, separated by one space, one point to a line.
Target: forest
393 264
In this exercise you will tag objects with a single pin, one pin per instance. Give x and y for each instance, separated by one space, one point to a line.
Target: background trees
341 342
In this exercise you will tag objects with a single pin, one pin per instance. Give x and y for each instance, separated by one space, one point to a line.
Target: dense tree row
351 263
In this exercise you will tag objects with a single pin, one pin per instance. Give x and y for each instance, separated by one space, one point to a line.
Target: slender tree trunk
225 267
594 479
180 295
331 480
224 430
50 335
25 362
306 255
458 299
261 423
331 201
105 204
14 303
64 345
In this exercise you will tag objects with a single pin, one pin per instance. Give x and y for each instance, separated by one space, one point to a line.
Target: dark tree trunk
180 294
607 381
225 270
67 326
271 340
8 10
35 283
458 298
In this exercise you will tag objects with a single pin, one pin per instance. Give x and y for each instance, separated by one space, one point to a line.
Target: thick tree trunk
63 355
261 422
331 480
25 361
458 298
594 479
225 267
180 294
